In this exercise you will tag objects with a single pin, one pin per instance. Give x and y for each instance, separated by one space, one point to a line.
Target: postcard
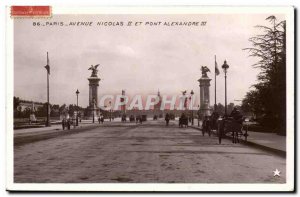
153 99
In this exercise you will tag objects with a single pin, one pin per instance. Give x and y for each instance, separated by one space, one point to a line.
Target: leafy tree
26 113
267 100
220 109
72 109
86 111
16 104
251 104
62 108
54 110
230 107
42 111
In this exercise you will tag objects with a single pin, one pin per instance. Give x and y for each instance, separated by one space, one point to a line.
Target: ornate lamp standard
77 92
225 66
192 94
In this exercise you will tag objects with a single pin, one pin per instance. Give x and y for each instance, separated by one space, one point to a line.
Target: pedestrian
183 120
63 122
99 120
102 119
167 118
69 124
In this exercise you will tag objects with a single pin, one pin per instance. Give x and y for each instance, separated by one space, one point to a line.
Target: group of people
66 123
139 119
123 118
209 122
101 119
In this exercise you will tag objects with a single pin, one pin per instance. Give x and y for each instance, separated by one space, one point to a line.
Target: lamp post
77 92
225 66
48 104
192 94
110 111
198 115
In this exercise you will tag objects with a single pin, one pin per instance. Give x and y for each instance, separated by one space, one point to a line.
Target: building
33 106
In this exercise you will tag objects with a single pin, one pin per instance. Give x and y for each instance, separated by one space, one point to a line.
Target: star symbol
276 172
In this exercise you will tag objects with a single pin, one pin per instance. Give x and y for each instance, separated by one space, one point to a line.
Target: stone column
93 97
204 83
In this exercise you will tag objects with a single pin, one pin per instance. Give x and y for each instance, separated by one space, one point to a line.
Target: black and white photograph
150 99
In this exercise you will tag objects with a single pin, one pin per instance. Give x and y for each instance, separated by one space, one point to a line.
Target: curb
22 139
26 138
253 144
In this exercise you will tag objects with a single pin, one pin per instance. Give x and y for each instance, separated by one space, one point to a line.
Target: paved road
147 153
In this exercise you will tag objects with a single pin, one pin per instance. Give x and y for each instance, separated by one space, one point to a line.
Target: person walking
69 124
102 119
167 118
141 119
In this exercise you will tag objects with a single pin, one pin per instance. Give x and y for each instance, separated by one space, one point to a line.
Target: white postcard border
288 186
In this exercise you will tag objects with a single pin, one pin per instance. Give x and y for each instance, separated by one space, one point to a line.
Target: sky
139 59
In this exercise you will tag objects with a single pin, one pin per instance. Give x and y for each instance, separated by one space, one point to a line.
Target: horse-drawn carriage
233 128
183 121
230 126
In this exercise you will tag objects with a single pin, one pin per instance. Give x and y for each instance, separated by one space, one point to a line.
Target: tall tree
71 109
268 98
54 111
42 111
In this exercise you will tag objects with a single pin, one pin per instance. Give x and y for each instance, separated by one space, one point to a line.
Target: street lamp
77 92
192 94
225 66
110 111
48 104
198 116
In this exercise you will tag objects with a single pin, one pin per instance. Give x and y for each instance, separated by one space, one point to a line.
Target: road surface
146 153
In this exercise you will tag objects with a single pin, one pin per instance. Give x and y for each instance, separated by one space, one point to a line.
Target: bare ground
147 153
